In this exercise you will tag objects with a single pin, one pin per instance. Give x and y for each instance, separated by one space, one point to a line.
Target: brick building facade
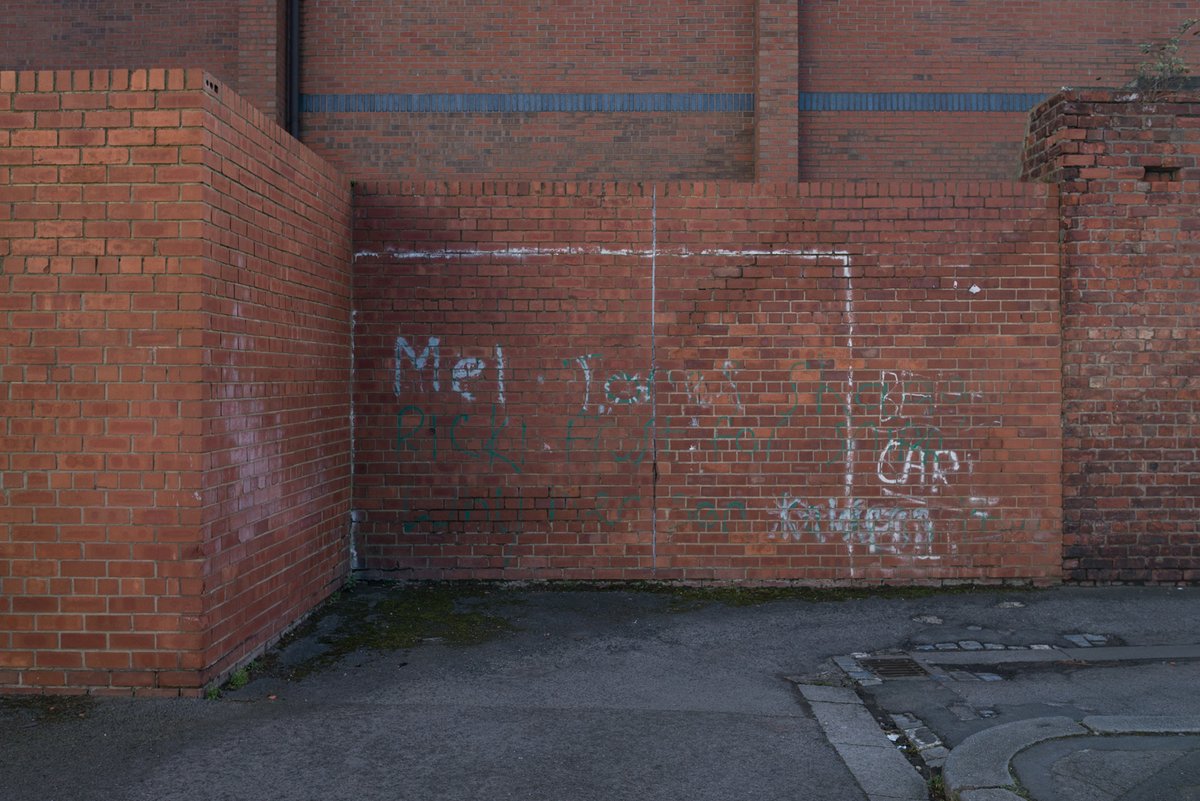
779 90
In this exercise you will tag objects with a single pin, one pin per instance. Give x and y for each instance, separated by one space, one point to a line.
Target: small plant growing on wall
1164 68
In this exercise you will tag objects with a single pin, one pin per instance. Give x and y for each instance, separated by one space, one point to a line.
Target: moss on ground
389 617
385 616
49 708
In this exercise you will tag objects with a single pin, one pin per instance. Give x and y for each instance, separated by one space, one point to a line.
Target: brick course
528 146
776 50
777 82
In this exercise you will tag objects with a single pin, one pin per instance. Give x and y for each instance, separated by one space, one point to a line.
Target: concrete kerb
979 768
990 794
871 757
1143 724
982 760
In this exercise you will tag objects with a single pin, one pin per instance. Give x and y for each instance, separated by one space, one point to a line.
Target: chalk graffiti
464 371
894 415
495 442
894 490
882 529
586 368
607 510
623 388
898 462
402 350
713 515
896 395
708 389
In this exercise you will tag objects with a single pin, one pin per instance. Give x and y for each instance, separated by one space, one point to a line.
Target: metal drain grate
894 667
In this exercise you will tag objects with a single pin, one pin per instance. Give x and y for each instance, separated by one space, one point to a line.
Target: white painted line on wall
500 372
849 419
913 498
653 378
353 544
396 254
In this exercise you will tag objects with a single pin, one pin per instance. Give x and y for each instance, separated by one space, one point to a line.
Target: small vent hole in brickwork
894 667
1160 174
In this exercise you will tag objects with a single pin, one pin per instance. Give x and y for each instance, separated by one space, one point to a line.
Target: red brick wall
124 198
611 46
775 100
262 56
277 346
238 41
916 146
970 46
101 236
714 380
1130 173
532 45
708 381
530 146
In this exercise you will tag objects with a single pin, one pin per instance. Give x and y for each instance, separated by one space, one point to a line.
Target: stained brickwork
1129 168
276 304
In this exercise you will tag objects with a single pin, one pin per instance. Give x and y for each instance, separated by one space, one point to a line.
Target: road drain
894 667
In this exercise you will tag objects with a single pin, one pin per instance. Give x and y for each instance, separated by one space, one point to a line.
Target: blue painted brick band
662 102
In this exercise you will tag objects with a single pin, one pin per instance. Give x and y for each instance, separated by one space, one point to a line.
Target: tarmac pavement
631 695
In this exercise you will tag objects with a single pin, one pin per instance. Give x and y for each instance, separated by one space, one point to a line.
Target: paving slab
1179 781
883 773
875 761
849 724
